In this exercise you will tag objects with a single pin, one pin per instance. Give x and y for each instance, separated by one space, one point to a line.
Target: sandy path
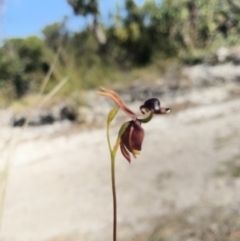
59 188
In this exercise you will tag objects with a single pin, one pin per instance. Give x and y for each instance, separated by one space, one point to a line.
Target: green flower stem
114 197
113 155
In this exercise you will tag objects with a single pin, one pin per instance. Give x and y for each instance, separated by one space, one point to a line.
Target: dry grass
15 140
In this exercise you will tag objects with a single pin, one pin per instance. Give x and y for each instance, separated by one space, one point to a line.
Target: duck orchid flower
131 134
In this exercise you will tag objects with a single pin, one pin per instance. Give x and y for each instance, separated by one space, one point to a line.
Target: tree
53 36
90 7
20 59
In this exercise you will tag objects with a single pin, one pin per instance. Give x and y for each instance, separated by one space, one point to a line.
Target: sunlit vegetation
137 40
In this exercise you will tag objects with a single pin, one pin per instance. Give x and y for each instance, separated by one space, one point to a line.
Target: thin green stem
113 155
114 197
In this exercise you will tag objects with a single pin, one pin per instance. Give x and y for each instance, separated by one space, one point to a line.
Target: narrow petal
126 136
130 146
113 96
125 152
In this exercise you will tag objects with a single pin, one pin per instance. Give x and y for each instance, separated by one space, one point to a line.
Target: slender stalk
113 155
114 197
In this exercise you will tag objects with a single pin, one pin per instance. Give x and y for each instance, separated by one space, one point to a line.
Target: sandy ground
59 186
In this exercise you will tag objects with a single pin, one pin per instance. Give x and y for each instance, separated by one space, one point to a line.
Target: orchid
130 136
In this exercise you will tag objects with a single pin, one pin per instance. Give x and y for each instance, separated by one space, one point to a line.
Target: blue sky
21 18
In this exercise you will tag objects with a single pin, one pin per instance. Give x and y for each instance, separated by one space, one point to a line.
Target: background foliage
137 37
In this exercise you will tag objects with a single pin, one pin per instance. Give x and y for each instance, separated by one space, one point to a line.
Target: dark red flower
132 137
131 140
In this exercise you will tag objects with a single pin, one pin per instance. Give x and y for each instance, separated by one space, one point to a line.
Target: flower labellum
153 105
